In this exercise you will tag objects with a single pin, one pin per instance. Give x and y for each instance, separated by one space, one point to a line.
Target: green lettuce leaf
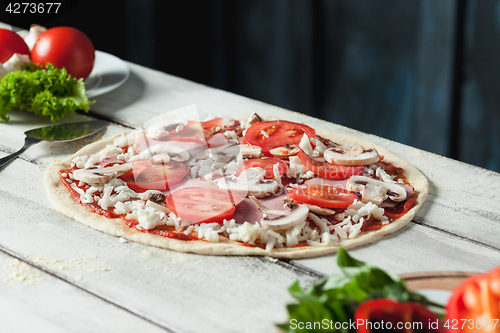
48 92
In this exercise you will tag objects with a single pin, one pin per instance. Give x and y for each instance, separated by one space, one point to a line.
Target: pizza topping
305 145
248 151
329 170
203 205
286 218
163 128
100 176
277 134
321 210
253 119
266 164
285 151
316 209
298 170
324 196
146 175
319 147
356 155
162 153
375 191
249 182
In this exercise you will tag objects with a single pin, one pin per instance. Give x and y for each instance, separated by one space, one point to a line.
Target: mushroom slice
356 155
253 119
321 210
249 151
296 216
100 176
267 210
250 182
285 151
375 191
163 128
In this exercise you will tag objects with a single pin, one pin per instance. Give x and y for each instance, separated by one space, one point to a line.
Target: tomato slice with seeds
148 176
323 196
329 170
266 164
202 204
273 134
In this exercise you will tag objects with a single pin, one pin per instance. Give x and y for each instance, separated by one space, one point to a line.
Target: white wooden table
57 275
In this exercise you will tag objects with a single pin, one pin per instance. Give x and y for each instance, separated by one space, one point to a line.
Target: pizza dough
62 201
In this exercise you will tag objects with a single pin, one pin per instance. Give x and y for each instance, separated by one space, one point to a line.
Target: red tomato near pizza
65 47
11 43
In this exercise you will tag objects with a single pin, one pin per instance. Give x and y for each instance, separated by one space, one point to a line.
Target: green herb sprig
335 298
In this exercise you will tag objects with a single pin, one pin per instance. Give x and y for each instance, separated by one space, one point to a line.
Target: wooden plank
227 294
52 305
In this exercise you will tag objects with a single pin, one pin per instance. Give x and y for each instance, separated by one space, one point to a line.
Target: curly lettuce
48 92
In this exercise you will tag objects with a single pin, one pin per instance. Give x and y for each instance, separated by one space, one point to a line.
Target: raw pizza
238 187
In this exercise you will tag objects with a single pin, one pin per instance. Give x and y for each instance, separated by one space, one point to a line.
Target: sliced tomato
266 164
387 315
210 125
273 134
323 196
477 300
147 176
202 204
329 170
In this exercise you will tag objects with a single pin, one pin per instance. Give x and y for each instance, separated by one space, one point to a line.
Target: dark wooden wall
420 72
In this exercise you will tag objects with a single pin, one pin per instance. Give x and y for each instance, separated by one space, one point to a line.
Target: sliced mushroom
356 155
152 195
100 176
17 62
249 151
285 151
253 119
267 210
250 182
35 32
375 191
321 210
163 153
163 128
297 215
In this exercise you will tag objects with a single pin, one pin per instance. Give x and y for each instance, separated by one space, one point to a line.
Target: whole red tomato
65 47
11 43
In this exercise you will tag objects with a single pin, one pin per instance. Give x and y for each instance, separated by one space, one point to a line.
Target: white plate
109 73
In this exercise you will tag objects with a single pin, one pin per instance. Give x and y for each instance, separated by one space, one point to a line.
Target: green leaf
48 92
345 260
